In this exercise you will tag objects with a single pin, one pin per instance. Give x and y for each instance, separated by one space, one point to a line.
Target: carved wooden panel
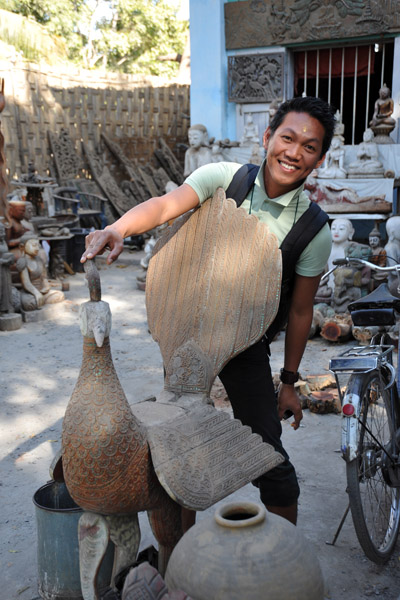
253 23
212 290
202 457
255 77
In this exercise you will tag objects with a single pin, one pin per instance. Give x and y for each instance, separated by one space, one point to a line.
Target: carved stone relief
255 77
255 23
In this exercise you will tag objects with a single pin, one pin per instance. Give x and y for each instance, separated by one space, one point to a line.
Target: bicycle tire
374 505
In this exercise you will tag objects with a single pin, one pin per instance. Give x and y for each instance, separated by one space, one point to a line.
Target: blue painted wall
208 93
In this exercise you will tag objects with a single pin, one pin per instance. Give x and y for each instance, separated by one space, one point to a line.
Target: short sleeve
206 179
313 259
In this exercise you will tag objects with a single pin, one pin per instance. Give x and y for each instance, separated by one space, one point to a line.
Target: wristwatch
289 377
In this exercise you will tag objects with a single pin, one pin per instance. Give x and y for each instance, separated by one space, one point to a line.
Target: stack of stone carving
348 283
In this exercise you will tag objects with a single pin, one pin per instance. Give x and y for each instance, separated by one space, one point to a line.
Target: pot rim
256 514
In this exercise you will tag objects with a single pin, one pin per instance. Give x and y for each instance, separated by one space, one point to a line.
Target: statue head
368 135
374 238
342 230
197 136
393 228
17 209
384 92
30 243
28 214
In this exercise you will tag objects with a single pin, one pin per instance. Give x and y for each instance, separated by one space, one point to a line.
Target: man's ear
266 136
321 160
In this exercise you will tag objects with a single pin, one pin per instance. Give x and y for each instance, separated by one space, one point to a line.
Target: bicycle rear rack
361 359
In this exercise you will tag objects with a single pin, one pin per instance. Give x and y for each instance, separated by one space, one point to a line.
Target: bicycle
370 439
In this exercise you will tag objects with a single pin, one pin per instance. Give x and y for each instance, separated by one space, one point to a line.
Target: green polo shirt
279 214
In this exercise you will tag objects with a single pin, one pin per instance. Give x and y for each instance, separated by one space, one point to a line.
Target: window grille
349 78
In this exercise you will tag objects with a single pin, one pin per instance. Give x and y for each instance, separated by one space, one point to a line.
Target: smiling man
295 142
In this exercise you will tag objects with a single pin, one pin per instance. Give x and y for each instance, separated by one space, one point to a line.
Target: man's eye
286 137
310 148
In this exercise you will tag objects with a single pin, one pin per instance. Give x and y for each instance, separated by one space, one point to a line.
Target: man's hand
99 241
288 399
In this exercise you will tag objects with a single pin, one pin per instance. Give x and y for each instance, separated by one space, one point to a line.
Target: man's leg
248 382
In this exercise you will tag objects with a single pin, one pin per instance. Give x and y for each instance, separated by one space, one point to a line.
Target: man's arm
298 328
141 218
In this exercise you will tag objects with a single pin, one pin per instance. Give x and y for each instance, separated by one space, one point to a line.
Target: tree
137 33
131 36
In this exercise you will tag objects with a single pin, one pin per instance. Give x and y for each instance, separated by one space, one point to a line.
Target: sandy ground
38 369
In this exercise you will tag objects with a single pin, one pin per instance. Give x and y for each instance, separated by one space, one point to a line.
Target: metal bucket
57 518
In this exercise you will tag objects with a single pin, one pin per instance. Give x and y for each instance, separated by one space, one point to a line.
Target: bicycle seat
379 298
378 308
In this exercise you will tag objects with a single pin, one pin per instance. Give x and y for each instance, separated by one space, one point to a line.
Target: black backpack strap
301 234
298 238
241 183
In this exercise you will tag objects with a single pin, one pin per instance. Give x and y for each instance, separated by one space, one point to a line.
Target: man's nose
294 151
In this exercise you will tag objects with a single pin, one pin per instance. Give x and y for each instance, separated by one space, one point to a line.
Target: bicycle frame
358 360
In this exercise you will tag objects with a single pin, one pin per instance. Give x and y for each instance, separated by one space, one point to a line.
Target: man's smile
287 166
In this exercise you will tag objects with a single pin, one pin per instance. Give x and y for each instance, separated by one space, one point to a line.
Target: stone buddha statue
199 151
382 122
367 164
378 257
334 161
250 132
36 290
342 232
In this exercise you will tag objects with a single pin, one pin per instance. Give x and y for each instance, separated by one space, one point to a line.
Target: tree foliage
130 36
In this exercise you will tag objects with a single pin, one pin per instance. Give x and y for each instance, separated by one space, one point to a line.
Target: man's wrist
289 377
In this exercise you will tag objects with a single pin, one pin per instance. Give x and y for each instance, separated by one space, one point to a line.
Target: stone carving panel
271 22
255 77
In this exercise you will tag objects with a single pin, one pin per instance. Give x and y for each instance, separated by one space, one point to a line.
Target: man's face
293 151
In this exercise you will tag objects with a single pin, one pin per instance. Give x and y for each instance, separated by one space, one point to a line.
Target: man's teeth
290 167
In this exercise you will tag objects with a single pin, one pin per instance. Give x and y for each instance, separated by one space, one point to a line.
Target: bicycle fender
350 428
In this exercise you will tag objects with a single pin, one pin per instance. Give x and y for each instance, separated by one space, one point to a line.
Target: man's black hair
315 107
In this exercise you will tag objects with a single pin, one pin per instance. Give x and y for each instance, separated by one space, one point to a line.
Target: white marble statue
342 232
392 249
199 152
250 133
334 162
367 164
339 127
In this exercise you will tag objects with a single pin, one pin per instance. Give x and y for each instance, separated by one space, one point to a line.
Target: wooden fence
135 111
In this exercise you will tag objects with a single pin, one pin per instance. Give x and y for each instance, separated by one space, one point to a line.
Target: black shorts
248 382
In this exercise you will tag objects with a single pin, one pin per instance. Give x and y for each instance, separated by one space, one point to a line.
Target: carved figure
347 287
367 163
339 127
36 290
342 232
334 162
378 257
115 476
199 151
334 197
392 249
382 123
250 132
6 260
18 228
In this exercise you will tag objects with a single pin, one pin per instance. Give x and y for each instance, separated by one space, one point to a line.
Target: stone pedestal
382 134
10 321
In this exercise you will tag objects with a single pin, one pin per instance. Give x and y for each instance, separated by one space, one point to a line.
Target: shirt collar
283 200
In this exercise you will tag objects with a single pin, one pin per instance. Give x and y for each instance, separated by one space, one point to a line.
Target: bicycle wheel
375 505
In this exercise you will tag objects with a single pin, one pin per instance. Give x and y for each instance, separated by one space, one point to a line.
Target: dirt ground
39 365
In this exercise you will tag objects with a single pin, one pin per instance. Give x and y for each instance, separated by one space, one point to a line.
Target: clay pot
243 551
